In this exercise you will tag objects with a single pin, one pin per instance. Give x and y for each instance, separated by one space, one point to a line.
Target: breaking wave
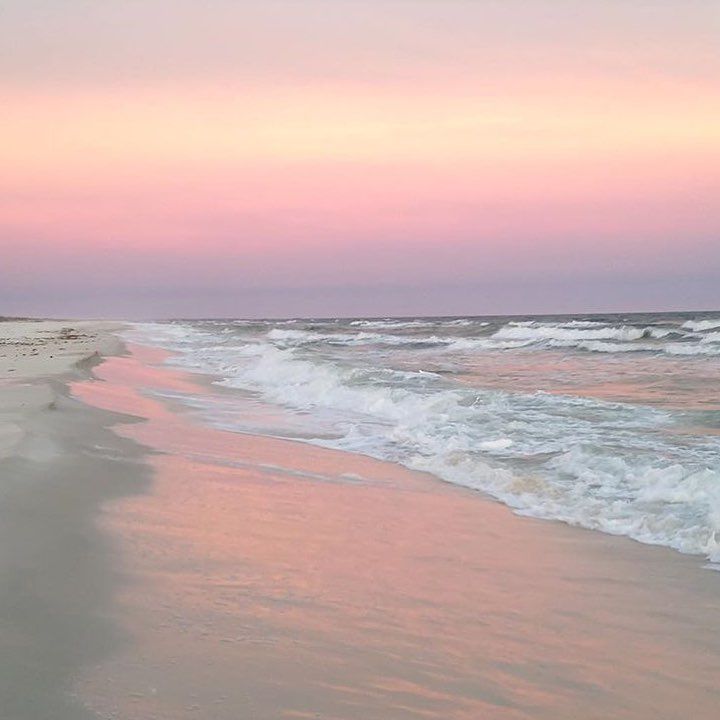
622 467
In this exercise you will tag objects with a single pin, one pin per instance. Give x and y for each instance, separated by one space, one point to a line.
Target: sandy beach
59 461
163 569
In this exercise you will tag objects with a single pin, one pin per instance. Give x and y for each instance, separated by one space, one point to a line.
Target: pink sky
355 157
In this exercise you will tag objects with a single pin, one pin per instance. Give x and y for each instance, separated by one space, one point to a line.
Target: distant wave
558 332
702 325
578 335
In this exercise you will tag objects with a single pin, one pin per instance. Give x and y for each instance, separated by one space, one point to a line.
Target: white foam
390 324
555 332
702 325
655 505
580 324
301 337
690 349
499 444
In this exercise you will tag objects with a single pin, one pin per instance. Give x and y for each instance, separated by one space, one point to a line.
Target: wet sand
269 579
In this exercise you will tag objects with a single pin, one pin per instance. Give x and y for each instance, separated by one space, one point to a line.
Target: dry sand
58 462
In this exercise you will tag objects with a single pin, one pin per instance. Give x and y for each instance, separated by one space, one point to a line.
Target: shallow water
607 422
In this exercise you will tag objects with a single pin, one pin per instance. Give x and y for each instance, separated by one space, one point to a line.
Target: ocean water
607 422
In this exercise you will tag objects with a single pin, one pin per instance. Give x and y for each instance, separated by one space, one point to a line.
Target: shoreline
210 382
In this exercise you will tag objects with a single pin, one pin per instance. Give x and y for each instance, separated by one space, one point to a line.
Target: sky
228 158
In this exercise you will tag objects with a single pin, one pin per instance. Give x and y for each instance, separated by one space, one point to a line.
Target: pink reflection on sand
275 579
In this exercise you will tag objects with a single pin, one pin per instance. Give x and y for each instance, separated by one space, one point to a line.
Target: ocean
608 422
